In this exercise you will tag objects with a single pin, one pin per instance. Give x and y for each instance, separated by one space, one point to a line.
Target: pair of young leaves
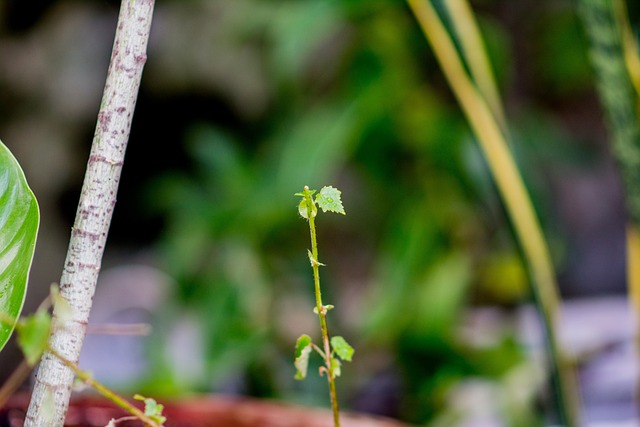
303 350
329 201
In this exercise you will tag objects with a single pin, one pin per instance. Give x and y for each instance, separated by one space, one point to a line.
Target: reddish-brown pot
201 412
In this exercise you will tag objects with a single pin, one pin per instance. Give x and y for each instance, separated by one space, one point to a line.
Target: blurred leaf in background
246 101
350 105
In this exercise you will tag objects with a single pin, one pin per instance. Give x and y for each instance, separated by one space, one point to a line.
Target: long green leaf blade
19 219
616 91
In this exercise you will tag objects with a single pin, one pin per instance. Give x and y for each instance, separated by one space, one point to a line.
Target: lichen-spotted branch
54 379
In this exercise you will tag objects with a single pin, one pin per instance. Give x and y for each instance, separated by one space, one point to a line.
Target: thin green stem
104 391
315 264
24 369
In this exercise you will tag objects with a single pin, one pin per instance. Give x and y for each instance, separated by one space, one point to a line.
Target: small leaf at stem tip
329 200
336 367
311 193
305 191
152 409
303 209
342 348
303 349
314 262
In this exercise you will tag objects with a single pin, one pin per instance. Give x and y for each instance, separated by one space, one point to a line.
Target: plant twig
20 374
322 312
105 391
514 194
93 217
24 369
121 329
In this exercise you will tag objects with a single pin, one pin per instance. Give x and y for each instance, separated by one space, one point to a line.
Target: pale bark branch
52 389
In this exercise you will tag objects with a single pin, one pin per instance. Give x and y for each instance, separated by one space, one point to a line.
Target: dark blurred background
243 103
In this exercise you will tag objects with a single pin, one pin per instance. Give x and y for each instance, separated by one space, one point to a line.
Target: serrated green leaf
303 349
33 333
152 409
342 348
329 200
19 219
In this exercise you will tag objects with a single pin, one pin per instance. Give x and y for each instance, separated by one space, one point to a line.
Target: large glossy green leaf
19 219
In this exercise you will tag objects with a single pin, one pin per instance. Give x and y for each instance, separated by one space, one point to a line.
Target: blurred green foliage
250 100
353 87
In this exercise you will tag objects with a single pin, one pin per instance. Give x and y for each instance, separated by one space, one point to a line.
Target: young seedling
32 336
329 200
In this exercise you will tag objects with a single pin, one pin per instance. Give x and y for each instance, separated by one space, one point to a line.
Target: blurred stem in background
475 54
481 105
614 55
